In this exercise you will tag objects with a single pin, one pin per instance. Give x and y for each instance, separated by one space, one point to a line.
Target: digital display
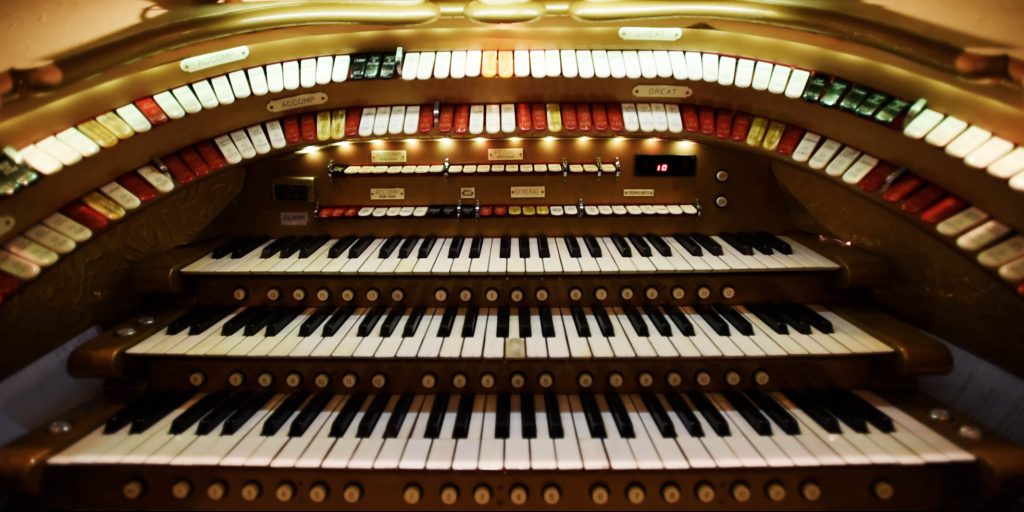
665 165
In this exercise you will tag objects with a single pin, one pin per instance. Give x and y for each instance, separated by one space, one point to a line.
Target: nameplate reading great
662 91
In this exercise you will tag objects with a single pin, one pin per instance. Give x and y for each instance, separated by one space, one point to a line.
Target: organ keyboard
346 268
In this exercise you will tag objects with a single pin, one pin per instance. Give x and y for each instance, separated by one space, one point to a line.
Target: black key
708 243
505 247
360 247
426 247
636 320
543 249
407 246
462 417
185 320
839 410
314 321
389 246
337 320
774 411
370 321
503 416
689 244
759 243
309 413
476 247
579 319
593 416
659 415
658 320
197 411
209 319
469 322
525 327
528 413
339 247
776 243
879 419
622 246
248 245
239 321
312 245
572 246
276 246
372 415
168 402
788 316
524 247
257 322
641 245
679 319
712 318
736 319
772 320
659 245
447 321
593 246
710 413
434 211
503 318
225 248
294 247
619 415
221 412
413 322
280 416
282 319
131 412
819 414
753 417
455 247
401 410
685 414
547 324
604 324
245 412
347 414
436 418
737 243
812 317
387 328
555 428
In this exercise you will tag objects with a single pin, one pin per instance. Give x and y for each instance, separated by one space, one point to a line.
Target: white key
243 144
390 454
492 451
552 63
458 64
828 449
186 100
473 58
222 88
1008 166
239 84
442 65
341 451
204 91
694 66
228 149
988 152
275 77
765 451
307 73
617 64
538 67
410 66
521 63
860 169
971 138
585 64
291 75
629 117
381 120
426 66
592 451
824 154
945 131
709 67
569 68
648 67
517 449
602 66
366 453
467 450
131 115
922 124
797 83
492 118
744 73
696 455
315 438
838 166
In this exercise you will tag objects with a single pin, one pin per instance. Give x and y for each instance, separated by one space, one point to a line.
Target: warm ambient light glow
308 150
342 144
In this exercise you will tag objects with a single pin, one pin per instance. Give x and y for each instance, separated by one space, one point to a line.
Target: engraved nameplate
386 194
638 192
662 91
650 34
294 219
300 101
467 193
527 192
385 156
504 154
213 59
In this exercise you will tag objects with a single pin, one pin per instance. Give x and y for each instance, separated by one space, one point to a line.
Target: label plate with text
387 194
531 192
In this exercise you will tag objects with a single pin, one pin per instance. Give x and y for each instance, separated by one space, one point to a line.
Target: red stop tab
540 117
292 134
8 285
902 187
690 119
194 162
445 118
352 117
152 111
523 117
615 122
874 179
211 155
922 199
85 216
307 126
723 126
583 117
943 209
707 120
790 139
569 117
352 211
740 126
138 186
461 123
426 119
178 169
600 117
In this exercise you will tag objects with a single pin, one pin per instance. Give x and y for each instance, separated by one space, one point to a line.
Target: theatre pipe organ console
592 255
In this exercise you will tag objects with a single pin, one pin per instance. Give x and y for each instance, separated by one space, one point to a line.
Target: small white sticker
467 193
300 101
527 192
504 154
662 91
294 219
650 34
386 194
213 59
638 192
388 156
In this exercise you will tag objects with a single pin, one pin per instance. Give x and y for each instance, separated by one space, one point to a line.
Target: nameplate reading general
385 156
527 192
650 34
386 194
504 154
213 59
300 101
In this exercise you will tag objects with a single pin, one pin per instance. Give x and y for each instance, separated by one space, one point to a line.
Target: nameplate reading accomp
300 101
213 59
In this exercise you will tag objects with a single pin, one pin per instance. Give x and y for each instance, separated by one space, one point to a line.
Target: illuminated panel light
308 150
515 139
342 144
